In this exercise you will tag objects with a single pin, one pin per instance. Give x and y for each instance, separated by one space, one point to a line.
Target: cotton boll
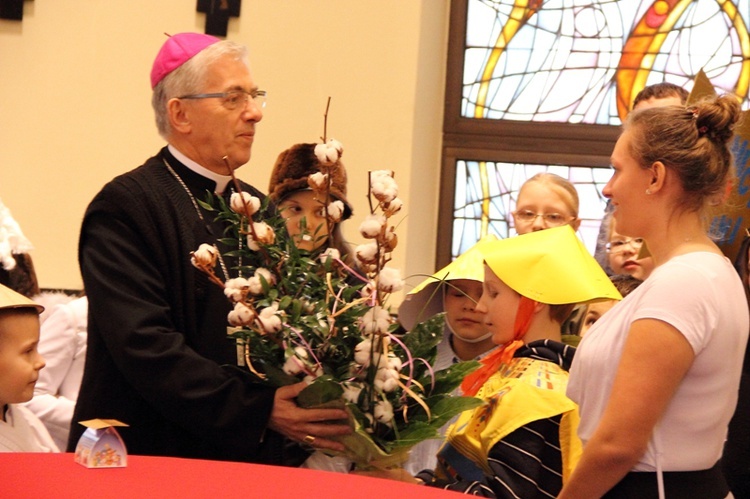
236 289
383 412
389 280
317 181
335 211
372 226
205 256
244 203
362 353
241 315
367 253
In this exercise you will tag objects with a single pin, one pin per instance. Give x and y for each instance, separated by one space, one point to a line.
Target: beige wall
75 105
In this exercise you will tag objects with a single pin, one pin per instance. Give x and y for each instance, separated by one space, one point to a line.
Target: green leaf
285 302
319 392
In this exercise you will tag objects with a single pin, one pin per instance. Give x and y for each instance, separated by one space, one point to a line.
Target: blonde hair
563 187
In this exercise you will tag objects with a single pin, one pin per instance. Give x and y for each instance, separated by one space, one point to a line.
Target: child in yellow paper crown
20 363
524 439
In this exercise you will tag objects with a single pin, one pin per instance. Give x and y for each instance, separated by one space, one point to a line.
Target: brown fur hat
292 168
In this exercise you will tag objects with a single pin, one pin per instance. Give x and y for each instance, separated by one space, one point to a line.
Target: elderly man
158 355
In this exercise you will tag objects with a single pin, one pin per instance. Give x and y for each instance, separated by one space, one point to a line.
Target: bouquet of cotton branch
310 315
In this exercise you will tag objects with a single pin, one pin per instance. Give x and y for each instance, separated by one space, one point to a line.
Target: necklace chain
200 215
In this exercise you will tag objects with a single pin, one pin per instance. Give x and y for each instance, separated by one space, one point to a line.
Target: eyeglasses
234 98
550 219
615 247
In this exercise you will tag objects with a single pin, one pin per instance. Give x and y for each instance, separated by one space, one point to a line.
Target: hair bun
717 117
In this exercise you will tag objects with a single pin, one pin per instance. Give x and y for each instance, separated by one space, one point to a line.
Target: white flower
292 366
330 253
336 145
382 185
329 153
362 353
205 256
269 320
389 280
335 211
317 181
267 275
236 289
383 412
242 315
385 373
375 321
394 362
264 234
372 226
254 286
392 207
295 361
367 253
386 379
244 203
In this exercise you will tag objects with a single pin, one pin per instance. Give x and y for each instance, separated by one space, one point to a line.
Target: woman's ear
658 177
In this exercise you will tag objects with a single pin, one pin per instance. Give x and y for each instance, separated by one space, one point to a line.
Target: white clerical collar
221 180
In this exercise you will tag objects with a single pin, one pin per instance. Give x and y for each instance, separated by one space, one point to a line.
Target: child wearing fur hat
313 207
20 363
522 442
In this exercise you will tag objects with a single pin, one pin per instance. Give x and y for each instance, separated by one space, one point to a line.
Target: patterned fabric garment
523 442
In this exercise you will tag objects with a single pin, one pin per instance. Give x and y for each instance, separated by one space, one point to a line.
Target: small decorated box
101 446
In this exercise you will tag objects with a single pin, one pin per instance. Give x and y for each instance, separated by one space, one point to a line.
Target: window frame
508 141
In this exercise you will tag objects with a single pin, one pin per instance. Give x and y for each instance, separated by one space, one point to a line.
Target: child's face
20 361
623 256
593 312
543 199
461 297
305 219
499 304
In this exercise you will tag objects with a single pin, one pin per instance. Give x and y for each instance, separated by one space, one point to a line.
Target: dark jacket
158 355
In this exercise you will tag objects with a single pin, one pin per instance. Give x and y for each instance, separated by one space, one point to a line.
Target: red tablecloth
29 475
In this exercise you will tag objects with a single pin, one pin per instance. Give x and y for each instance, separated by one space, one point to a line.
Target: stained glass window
543 85
584 61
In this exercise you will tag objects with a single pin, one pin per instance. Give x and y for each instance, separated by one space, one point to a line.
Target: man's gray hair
190 79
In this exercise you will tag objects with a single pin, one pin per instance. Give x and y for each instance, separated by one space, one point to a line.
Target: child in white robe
20 363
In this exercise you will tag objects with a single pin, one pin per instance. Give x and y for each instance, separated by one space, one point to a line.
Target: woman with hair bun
656 378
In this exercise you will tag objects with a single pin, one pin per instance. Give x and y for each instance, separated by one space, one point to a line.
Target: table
36 475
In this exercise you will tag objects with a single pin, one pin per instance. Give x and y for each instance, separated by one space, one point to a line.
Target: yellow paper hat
12 299
549 266
426 299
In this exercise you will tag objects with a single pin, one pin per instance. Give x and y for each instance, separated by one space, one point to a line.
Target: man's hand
310 426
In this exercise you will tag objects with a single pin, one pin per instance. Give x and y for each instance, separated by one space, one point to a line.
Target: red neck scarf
491 363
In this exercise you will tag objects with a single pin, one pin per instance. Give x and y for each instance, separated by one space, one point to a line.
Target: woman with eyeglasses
623 251
546 200
656 378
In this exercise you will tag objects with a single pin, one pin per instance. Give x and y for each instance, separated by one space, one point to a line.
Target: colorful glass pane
577 61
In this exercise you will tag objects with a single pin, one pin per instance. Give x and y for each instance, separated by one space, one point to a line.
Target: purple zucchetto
177 50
